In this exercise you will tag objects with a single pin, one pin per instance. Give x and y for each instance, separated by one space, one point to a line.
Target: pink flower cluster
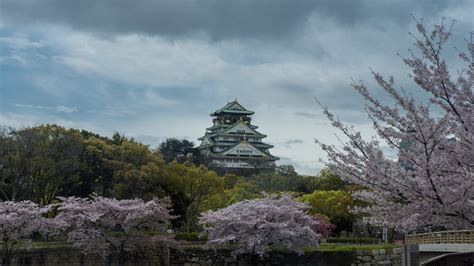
254 225
432 182
97 225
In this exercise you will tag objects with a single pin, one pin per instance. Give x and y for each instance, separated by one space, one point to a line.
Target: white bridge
432 248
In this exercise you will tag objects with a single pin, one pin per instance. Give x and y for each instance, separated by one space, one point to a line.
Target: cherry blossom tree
432 182
20 220
254 225
109 227
323 226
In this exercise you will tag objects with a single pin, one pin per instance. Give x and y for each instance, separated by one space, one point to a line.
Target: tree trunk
254 259
7 253
6 259
121 256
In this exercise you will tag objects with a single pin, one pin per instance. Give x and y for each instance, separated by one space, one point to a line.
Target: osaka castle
232 142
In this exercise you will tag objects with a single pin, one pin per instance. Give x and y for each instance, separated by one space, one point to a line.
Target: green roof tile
233 107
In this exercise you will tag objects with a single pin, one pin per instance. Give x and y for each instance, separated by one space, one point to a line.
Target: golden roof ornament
244 140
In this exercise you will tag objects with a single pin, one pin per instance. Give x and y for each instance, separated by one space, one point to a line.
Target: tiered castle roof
232 140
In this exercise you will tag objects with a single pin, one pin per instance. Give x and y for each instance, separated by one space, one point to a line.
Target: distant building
233 143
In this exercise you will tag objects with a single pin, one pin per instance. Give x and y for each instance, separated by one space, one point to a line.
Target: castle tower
233 142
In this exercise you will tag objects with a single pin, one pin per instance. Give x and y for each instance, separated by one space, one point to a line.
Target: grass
39 245
323 247
332 247
200 245
49 244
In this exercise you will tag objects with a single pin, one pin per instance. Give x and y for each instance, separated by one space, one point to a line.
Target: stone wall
199 257
72 257
378 257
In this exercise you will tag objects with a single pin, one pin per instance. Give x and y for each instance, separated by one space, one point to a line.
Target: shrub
356 240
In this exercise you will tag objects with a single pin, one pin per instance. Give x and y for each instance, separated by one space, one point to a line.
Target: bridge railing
442 237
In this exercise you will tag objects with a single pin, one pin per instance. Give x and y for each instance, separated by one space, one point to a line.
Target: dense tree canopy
192 185
335 204
140 172
174 149
44 162
40 163
286 170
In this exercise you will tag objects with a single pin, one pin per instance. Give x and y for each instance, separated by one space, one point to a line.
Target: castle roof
206 140
245 146
225 126
233 107
239 125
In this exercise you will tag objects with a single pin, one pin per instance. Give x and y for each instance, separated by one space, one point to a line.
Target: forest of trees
45 162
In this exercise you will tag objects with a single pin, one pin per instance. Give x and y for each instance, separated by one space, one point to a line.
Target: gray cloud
150 69
306 167
288 143
57 108
219 19
153 141
305 114
294 141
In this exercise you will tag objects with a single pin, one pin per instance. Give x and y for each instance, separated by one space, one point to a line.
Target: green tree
274 182
270 182
40 163
286 170
99 167
118 139
236 189
140 172
14 161
230 180
191 185
335 204
259 165
327 180
174 149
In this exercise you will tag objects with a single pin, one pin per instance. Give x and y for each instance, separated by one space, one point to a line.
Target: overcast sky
156 69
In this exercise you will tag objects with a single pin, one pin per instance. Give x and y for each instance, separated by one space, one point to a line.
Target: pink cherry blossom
108 226
323 226
254 225
432 182
20 220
